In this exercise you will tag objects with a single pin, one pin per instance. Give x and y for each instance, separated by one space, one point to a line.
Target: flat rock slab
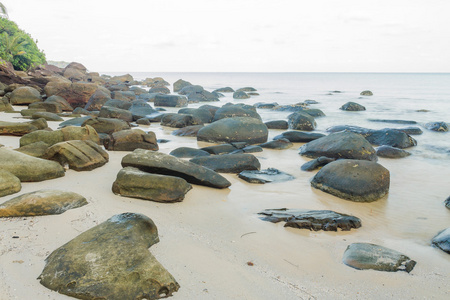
391 152
9 183
228 163
187 152
363 256
41 203
132 182
265 176
316 220
442 240
164 164
20 128
79 155
110 261
29 168
299 136
355 180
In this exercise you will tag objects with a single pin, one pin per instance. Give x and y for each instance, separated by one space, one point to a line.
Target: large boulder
47 106
203 114
235 110
228 130
41 203
301 121
97 100
9 183
442 240
126 78
76 94
228 163
180 120
116 113
140 109
131 139
180 84
79 155
25 95
355 180
170 100
187 152
132 182
338 145
364 256
110 261
86 133
164 164
28 168
106 125
277 124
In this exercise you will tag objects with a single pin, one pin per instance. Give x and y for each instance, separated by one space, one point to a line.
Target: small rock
278 124
366 93
240 95
265 176
279 144
437 126
352 106
391 152
186 152
316 163
299 136
442 240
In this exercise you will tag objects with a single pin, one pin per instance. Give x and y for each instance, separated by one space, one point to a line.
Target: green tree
12 47
3 11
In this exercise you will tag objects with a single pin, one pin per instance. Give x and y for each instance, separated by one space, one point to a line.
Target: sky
241 35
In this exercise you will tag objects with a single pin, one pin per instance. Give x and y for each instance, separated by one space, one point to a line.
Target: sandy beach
216 247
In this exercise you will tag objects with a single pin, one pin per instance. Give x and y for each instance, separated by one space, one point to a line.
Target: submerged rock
240 95
170 100
278 124
442 240
355 180
363 256
265 176
180 120
352 106
224 148
391 152
9 183
316 220
316 163
228 163
41 203
279 144
164 164
366 93
132 182
301 121
437 126
188 130
299 136
110 261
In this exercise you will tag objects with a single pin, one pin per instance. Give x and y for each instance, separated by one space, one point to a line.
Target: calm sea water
396 96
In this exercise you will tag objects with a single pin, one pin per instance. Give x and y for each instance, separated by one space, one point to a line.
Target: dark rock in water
442 240
218 95
352 106
355 180
106 125
279 124
338 145
186 152
393 121
37 149
316 220
299 136
240 95
190 89
140 109
164 164
143 121
249 130
314 112
41 203
279 144
9 184
261 105
447 203
148 97
171 101
110 261
366 93
301 121
159 90
48 116
250 149
235 110
311 102
363 256
203 114
132 182
224 148
131 139
28 168
410 130
224 90
316 163
116 113
265 176
79 155
228 163
180 120
211 108
179 84
253 94
187 131
246 89
162 141
155 117
437 126
291 107
391 152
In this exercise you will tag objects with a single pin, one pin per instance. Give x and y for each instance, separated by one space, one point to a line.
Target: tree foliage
17 46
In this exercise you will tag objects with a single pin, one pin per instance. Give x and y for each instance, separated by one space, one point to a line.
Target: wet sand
207 240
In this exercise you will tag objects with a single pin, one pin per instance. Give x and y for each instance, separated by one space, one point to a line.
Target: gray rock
48 116
291 107
179 84
159 90
410 130
116 113
65 106
279 144
132 182
122 104
352 106
391 152
447 203
131 139
235 110
299 136
203 114
240 95
278 124
224 148
9 184
97 100
265 176
355 180
314 112
228 163
171 101
316 220
246 89
442 240
25 95
224 90
316 163
261 105
363 256
366 93
141 109
187 131
301 121
106 125
180 120
437 126
186 152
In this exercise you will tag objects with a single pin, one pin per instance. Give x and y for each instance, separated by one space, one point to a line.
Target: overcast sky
241 35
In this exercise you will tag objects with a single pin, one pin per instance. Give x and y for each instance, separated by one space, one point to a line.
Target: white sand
207 240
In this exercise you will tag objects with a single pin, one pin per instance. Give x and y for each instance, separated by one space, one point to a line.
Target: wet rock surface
442 240
278 124
355 180
265 176
188 130
279 144
447 203
391 152
301 121
363 256
352 106
187 152
437 126
110 261
228 163
316 163
299 136
40 203
316 220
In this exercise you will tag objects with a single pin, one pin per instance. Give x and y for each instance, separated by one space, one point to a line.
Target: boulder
187 131
278 124
211 108
352 106
447 203
364 256
366 93
170 101
106 125
203 114
21 128
124 95
48 116
316 220
301 121
126 78
224 90
76 94
9 184
25 95
265 176
224 148
143 121
240 95
122 104
228 163
86 133
116 113
164 164
437 126
74 121
279 144
355 180
410 130
47 106
249 130
391 152
41 203
28 168
5 105
141 109
187 152
37 149
79 155
299 136
159 90
393 121
131 139
97 100
180 120
338 145
235 110
179 84
314 112
110 261
264 105
291 107
132 182
316 163
189 89
75 74
442 240
246 89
